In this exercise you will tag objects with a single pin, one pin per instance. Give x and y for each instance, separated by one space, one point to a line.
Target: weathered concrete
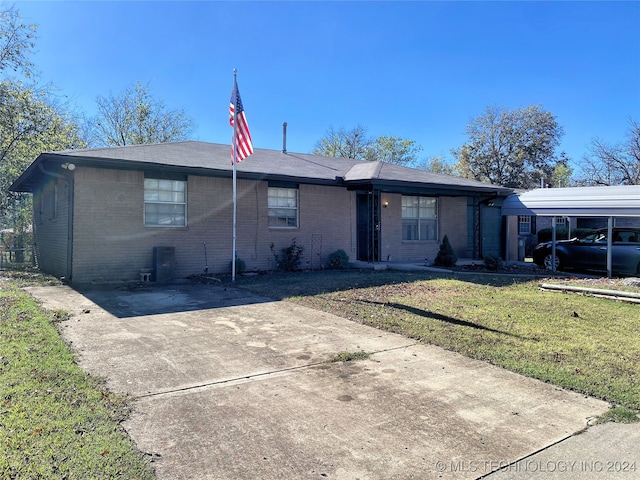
234 386
607 451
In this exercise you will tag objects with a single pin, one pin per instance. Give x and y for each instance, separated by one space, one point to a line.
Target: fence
16 257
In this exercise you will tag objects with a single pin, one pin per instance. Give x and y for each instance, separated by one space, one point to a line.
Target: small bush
241 267
291 256
492 262
338 260
446 256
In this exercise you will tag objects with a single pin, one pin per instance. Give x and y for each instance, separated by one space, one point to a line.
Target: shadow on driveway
143 300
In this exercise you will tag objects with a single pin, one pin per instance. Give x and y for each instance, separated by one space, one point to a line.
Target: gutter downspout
69 180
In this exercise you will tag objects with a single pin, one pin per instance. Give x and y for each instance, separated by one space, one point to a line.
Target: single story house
107 214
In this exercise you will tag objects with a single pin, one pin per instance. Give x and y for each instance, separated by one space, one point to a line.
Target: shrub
241 267
338 260
446 256
492 262
291 256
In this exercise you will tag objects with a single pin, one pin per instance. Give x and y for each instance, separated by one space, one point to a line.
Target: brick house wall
452 221
51 226
111 242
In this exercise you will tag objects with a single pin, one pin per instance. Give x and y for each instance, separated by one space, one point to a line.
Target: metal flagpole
235 160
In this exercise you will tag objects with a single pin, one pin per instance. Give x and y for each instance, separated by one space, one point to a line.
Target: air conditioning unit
164 264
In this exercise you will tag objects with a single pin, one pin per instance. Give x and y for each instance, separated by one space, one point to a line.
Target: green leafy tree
343 143
135 117
513 148
613 164
355 143
31 122
17 41
562 172
395 150
437 165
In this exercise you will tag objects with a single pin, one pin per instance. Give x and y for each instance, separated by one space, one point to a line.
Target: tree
135 117
356 144
395 150
613 164
16 43
437 164
512 148
562 172
342 143
31 122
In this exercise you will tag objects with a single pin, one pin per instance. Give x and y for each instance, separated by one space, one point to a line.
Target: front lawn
586 344
56 422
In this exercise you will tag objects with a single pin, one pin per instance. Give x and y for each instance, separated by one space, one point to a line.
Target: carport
609 202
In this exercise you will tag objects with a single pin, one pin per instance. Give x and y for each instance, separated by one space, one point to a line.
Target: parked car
589 252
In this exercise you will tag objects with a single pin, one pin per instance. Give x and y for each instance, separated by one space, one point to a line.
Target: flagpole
235 161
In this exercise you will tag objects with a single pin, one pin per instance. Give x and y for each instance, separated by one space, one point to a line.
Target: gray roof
215 160
618 201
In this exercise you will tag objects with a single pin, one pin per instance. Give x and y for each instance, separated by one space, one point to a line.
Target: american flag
242 136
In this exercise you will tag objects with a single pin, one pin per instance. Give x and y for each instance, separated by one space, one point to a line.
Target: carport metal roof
619 201
611 202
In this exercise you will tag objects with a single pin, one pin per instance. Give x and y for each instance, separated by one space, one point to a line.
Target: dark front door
491 218
368 208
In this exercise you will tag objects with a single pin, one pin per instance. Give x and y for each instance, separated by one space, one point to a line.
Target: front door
368 225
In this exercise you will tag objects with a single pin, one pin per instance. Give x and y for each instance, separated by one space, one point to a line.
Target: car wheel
548 259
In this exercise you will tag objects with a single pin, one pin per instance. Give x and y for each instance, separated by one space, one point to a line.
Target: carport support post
508 237
553 243
609 243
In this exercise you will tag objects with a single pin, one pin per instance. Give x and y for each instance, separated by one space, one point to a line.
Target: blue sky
417 70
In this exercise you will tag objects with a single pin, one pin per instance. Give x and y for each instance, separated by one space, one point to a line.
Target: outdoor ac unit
164 264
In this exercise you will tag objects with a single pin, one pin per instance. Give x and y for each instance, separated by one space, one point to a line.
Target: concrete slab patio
230 385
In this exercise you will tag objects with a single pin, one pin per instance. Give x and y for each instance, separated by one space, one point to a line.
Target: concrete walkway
234 386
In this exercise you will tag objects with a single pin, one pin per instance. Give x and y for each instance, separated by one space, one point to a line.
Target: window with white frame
524 224
283 207
165 202
561 221
419 218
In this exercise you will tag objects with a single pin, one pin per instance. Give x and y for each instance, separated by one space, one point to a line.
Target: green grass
56 422
349 356
577 342
619 415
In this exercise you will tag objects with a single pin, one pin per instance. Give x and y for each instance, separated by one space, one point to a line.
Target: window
165 203
419 218
524 224
283 207
561 221
49 204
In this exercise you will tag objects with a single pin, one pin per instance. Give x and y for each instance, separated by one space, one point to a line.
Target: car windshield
598 237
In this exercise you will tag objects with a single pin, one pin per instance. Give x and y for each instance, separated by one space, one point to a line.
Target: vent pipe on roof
284 137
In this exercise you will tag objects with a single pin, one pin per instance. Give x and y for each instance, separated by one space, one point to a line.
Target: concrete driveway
229 385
